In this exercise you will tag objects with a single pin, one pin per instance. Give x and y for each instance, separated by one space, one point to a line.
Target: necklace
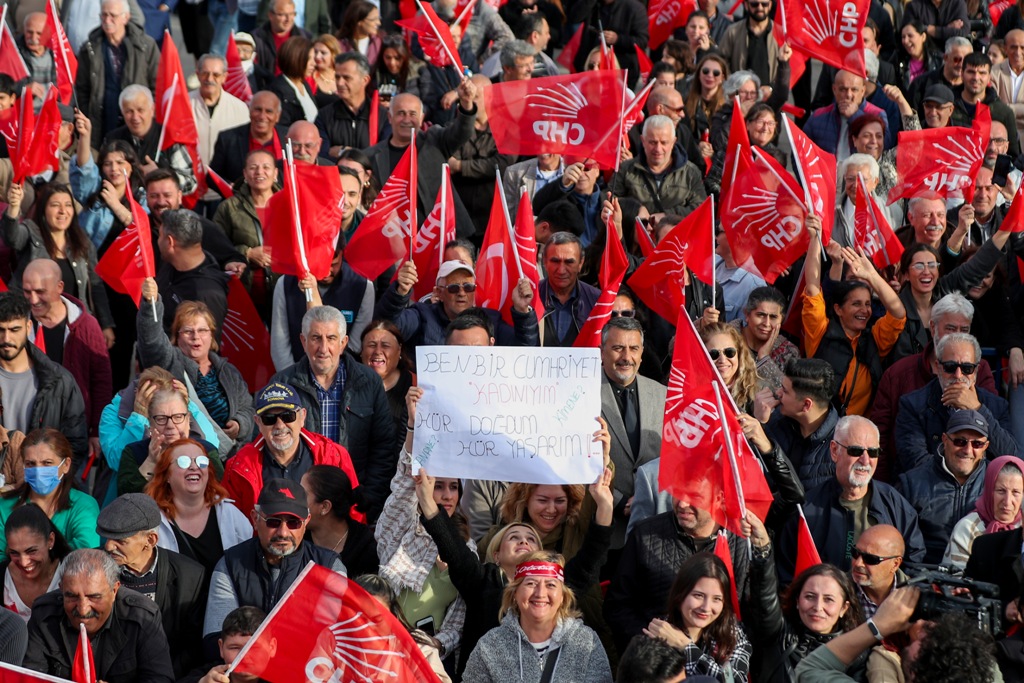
340 542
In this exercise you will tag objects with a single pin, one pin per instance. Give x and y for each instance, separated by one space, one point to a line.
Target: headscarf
984 505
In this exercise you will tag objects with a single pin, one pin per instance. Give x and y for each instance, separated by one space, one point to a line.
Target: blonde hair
745 383
513 506
495 543
567 610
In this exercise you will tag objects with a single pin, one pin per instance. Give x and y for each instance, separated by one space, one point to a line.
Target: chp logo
392 205
359 655
828 21
556 111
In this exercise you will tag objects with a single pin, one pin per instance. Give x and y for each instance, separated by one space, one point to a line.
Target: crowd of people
151 495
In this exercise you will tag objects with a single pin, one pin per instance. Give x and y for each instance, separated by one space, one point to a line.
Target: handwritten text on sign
508 413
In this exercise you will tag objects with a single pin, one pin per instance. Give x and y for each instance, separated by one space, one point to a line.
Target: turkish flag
872 231
63 54
237 83
643 238
496 270
25 130
15 674
568 55
1014 219
83 668
129 260
943 161
326 627
765 221
696 466
738 157
613 268
11 62
173 110
691 244
817 170
438 229
43 148
386 233
829 30
997 7
435 37
303 221
665 16
557 115
645 63
244 338
526 248
806 551
725 555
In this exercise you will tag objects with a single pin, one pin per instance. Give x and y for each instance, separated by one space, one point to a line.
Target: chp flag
829 30
16 674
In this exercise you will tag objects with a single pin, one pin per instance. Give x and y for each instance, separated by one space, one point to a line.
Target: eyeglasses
195 332
921 267
729 352
764 123
950 366
999 141
961 442
287 417
710 72
869 559
857 451
185 461
293 523
161 420
109 15
624 313
456 287
747 94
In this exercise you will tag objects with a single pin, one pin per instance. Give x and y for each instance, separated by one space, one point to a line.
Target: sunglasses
185 461
729 352
293 523
857 451
455 288
624 313
950 366
960 442
869 559
287 417
710 72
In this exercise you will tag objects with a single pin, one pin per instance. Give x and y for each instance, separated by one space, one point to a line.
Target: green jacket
681 190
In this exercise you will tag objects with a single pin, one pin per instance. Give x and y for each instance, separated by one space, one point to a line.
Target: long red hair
159 488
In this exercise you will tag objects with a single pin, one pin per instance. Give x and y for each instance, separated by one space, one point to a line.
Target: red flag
645 63
725 555
63 54
806 551
634 111
817 170
1014 219
173 110
765 222
557 115
568 55
829 30
526 248
129 260
15 674
438 229
244 338
696 464
9 127
383 236
691 244
793 321
219 184
23 139
665 16
643 238
613 268
435 37
872 230
374 116
3 285
43 148
310 205
11 62
997 7
496 270
943 161
83 669
738 157
237 83
327 627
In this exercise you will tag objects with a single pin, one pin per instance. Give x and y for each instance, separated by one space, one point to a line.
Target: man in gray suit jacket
634 408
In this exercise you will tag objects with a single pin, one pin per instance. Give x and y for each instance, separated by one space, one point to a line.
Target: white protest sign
508 413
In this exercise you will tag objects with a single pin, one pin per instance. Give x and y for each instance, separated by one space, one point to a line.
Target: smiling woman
35 549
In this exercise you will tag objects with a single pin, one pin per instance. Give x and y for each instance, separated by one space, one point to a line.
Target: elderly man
667 101
926 221
142 132
312 15
242 577
124 630
1006 76
517 60
749 44
944 488
856 164
567 301
977 87
344 401
306 145
829 126
952 313
175 583
660 177
634 408
70 337
262 132
279 27
875 565
950 74
423 323
284 449
38 58
345 123
937 106
117 54
214 109
923 414
839 510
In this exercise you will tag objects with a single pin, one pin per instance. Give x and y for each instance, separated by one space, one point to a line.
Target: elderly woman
997 509
538 616
747 86
35 550
196 519
762 128
47 485
192 357
859 165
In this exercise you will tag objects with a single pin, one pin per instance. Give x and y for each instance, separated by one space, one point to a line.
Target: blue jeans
224 23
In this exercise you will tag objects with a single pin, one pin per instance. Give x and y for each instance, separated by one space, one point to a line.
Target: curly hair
513 506
159 487
854 614
567 610
745 382
723 630
954 650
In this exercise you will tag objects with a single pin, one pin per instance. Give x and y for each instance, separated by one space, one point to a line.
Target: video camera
942 593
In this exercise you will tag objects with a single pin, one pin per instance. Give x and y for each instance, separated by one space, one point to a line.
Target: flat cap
128 515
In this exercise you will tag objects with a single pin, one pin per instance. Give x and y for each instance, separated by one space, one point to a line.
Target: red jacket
243 475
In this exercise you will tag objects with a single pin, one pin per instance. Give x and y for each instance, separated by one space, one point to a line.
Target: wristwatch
874 630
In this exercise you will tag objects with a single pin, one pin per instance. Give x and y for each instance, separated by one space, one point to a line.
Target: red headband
544 570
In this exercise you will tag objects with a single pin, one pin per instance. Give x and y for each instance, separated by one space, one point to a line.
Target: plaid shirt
330 403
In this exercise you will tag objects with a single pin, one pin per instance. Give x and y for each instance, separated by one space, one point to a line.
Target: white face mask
247 66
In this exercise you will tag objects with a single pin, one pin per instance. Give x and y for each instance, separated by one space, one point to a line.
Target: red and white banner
244 338
23 133
643 239
828 30
173 110
83 667
438 229
872 231
817 171
11 62
664 17
613 268
997 7
435 37
738 157
63 54
237 83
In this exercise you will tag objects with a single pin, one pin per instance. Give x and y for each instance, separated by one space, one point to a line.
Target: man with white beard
839 510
